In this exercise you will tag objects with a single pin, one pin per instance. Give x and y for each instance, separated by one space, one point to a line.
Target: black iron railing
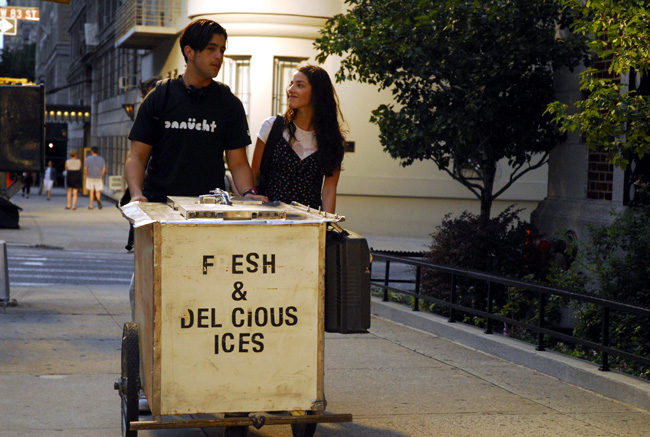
410 273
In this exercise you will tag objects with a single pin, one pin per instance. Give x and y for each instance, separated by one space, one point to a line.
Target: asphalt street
51 267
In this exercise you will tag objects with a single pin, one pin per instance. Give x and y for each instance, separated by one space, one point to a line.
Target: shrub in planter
501 246
614 262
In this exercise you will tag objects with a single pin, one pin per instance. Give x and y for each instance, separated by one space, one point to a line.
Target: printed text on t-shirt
191 124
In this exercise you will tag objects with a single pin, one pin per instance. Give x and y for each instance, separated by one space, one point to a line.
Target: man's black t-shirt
188 130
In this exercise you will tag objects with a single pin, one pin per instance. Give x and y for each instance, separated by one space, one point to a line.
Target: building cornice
270 25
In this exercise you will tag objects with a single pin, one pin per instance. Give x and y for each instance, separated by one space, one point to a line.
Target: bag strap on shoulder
271 143
162 98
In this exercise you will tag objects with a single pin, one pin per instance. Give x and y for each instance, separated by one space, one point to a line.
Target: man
185 125
145 87
183 128
94 170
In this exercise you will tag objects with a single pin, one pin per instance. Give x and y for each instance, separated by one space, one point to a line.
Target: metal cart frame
148 235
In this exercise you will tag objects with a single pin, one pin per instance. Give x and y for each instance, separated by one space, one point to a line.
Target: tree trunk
486 207
488 188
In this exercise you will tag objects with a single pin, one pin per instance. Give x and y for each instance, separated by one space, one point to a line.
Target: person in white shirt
49 179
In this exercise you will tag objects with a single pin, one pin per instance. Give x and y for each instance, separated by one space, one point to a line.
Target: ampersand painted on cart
239 294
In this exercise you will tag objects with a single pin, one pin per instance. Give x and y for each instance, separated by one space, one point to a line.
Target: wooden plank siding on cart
230 314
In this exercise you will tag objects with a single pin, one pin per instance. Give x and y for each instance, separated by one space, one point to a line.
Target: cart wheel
236 431
129 380
303 429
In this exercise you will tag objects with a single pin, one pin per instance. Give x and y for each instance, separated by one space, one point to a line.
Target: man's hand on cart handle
139 198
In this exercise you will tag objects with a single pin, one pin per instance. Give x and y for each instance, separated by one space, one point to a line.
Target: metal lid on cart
205 210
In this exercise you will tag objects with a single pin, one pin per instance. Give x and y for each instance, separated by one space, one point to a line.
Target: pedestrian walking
49 179
74 179
94 170
28 180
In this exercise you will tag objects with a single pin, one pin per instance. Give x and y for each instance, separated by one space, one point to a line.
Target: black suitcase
347 282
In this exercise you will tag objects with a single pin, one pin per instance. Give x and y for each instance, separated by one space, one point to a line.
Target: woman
73 179
311 146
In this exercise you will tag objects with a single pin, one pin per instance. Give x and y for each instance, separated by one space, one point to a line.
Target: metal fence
407 281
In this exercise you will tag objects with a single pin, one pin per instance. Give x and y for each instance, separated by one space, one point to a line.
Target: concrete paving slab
63 405
618 424
492 425
426 391
73 299
343 351
63 356
503 373
48 223
581 373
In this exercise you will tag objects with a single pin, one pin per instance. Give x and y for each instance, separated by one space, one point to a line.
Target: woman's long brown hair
327 118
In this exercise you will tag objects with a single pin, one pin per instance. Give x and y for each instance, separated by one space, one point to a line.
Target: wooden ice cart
228 328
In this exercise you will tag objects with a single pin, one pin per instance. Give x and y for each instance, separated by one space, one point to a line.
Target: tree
611 117
471 81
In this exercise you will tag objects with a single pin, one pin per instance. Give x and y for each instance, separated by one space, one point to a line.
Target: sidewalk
60 354
48 223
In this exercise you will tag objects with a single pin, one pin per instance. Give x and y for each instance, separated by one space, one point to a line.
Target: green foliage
471 80
501 247
615 263
498 247
617 121
20 63
617 30
617 257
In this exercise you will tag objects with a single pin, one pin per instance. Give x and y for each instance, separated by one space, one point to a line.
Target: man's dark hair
198 34
94 149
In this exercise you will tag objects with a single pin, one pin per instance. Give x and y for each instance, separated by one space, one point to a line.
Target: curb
625 388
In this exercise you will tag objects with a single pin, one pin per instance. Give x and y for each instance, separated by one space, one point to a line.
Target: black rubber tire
303 429
130 378
236 431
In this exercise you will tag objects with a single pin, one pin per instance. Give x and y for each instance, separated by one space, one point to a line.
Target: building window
118 72
109 9
51 78
236 73
283 70
600 180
